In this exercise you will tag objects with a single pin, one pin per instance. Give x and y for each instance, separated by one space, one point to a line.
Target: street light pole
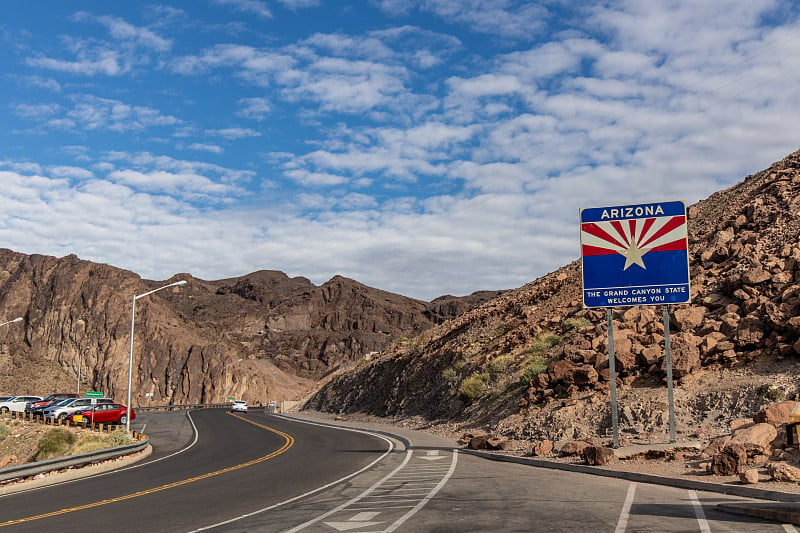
225 380
130 359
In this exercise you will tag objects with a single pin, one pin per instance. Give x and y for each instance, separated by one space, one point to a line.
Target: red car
104 413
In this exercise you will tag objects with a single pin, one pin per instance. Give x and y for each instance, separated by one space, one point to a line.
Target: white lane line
427 498
318 489
622 523
698 512
361 496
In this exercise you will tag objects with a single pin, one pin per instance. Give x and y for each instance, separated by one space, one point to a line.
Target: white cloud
126 32
70 172
234 133
171 183
254 7
36 111
213 148
254 108
90 63
92 112
300 4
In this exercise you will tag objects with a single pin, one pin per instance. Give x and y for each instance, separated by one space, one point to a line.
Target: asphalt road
265 473
234 467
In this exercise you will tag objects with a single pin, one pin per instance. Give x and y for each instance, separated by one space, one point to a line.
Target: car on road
66 407
17 403
104 413
239 406
31 407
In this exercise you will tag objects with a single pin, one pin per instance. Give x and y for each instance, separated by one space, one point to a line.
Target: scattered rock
731 461
784 472
598 455
542 448
749 476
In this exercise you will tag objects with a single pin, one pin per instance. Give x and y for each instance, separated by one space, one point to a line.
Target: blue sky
425 147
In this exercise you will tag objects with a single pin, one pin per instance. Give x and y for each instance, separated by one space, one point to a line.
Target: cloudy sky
425 147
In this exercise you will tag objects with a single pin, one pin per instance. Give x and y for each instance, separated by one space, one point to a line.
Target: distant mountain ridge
260 337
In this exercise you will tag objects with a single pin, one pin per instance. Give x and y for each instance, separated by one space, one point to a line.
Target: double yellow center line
289 442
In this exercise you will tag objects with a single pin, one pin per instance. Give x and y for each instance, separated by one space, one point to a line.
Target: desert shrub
577 322
449 374
543 341
459 365
773 394
55 443
90 442
500 364
120 437
534 365
5 431
472 387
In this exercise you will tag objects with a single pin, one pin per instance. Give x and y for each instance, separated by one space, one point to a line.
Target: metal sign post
635 255
612 378
668 357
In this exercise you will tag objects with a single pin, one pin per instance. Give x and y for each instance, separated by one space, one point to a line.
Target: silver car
66 407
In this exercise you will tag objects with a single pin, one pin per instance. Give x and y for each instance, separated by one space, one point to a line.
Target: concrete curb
690 484
779 512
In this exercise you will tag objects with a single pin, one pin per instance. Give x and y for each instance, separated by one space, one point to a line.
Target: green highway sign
94 394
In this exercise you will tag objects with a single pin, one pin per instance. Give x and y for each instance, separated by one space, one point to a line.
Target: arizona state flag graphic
635 255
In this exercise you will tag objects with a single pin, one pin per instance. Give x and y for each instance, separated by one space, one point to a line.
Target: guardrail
59 463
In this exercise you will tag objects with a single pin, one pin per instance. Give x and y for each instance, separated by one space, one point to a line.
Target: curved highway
239 464
215 471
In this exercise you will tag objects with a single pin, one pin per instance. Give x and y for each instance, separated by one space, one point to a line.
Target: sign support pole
668 355
612 377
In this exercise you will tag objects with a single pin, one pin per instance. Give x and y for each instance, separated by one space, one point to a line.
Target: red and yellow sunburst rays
634 238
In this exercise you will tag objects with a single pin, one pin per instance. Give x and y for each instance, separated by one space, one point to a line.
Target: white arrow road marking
356 522
432 455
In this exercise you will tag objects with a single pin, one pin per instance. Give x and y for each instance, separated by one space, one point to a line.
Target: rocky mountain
533 362
260 337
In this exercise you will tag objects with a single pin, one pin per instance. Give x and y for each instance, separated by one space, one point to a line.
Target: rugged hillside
533 363
262 336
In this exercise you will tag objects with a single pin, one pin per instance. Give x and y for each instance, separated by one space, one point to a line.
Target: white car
239 406
17 403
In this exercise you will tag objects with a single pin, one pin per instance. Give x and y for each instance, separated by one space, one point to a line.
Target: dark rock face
260 337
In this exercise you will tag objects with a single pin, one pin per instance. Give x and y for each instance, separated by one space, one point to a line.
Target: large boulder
776 414
731 461
755 439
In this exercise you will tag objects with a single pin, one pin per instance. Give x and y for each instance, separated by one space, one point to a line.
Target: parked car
56 396
104 413
239 406
17 403
66 407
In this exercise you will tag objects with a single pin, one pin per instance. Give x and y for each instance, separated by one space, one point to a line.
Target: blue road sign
635 255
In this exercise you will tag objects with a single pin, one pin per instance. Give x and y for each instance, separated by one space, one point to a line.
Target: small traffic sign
94 394
635 255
